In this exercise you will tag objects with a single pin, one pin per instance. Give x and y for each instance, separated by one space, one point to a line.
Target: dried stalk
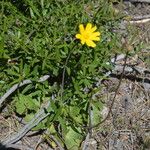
113 100
16 86
22 132
140 1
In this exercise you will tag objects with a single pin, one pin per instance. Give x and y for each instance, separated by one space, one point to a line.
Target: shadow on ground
2 147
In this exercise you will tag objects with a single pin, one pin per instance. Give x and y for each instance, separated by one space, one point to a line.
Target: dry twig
140 1
113 100
16 86
140 17
35 121
139 21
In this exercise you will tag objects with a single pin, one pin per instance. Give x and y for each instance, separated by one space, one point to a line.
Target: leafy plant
38 38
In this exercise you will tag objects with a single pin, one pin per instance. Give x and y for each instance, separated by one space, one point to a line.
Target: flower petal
95 34
90 43
88 35
93 29
81 28
96 39
82 42
78 36
88 27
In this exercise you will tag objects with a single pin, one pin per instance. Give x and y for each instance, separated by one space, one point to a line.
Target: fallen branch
138 71
131 69
140 17
35 121
140 1
85 143
139 21
16 86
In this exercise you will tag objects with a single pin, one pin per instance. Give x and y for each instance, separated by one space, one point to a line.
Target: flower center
86 35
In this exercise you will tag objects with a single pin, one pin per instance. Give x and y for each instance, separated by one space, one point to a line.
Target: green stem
64 71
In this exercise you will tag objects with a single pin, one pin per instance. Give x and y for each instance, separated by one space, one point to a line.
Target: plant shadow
2 147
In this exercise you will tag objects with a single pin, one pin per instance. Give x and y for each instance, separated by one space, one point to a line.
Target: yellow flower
88 35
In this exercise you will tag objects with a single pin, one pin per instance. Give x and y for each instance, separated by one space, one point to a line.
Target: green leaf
29 117
26 70
33 9
96 115
74 111
79 119
63 125
27 88
68 71
31 103
13 73
52 129
20 106
97 104
72 139
40 126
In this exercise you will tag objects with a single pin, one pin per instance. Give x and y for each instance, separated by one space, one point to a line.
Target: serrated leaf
20 107
31 104
74 111
13 73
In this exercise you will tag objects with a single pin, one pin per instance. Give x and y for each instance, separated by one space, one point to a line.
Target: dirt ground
128 127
